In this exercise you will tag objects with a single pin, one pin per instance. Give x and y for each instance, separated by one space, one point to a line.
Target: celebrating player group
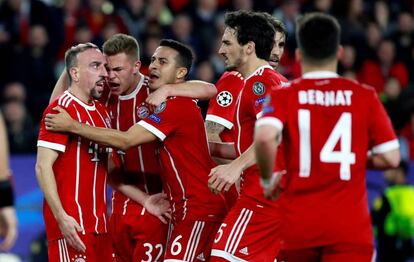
276 172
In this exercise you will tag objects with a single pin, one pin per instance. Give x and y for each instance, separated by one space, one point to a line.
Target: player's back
186 160
331 123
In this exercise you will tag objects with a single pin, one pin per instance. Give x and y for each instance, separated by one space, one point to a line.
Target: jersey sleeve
52 140
274 111
382 136
222 107
164 120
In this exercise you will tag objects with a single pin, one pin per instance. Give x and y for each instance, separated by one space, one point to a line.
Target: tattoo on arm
213 131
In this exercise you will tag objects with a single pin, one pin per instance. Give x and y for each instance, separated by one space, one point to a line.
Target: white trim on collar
263 67
136 90
84 105
319 75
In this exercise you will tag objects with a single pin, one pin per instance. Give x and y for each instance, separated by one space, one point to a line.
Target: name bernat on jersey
325 98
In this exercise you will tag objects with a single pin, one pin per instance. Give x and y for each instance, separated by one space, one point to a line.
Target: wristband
6 194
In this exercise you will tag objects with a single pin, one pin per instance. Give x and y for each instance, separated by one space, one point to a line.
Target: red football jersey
249 106
221 109
80 169
329 124
140 164
185 160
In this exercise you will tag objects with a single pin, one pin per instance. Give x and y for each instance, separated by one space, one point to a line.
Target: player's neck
307 67
79 94
134 84
248 68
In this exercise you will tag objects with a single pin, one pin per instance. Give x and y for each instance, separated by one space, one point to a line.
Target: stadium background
378 40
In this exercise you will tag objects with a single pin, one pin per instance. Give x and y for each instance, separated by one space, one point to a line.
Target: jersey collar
136 90
86 106
320 75
263 67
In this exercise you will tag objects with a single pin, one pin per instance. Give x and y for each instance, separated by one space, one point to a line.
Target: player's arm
61 86
213 130
8 221
224 176
194 89
135 135
386 160
46 178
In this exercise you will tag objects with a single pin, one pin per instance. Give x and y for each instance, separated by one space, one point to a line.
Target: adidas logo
244 251
201 257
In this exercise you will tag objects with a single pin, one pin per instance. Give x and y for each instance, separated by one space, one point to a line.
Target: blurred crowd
378 40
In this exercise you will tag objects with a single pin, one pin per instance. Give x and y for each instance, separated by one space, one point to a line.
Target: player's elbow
211 91
40 169
393 158
264 135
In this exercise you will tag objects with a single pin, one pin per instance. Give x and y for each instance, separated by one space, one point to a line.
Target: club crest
143 112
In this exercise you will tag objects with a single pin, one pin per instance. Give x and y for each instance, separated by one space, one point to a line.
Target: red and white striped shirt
80 169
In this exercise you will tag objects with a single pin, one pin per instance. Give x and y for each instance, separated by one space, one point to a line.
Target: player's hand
8 228
159 206
157 97
273 190
60 122
70 228
222 177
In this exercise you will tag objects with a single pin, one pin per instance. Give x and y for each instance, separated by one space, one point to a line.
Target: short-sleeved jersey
80 169
185 160
249 106
221 109
140 164
329 123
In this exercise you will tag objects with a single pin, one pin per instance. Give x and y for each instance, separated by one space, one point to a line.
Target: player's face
163 68
92 72
277 51
231 50
122 73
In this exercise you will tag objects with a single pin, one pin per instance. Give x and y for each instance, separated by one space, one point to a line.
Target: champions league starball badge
259 88
224 98
160 108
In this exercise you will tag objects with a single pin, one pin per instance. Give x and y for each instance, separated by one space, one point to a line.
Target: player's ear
137 66
250 48
74 73
181 72
340 52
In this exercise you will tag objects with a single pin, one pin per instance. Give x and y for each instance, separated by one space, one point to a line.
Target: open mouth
153 76
113 85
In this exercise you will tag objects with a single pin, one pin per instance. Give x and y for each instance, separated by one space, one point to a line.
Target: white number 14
341 131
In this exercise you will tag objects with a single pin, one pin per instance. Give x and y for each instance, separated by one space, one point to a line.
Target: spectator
403 37
347 62
20 129
14 91
393 215
133 16
376 72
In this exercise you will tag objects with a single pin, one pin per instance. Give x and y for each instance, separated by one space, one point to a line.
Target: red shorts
343 252
138 237
247 234
98 248
191 241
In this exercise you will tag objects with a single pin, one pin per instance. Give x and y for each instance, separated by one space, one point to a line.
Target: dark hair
71 56
318 37
276 23
185 54
255 27
121 43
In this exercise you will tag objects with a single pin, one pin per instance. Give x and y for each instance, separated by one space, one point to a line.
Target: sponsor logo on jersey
160 108
244 251
143 112
79 258
155 118
259 88
224 98
201 257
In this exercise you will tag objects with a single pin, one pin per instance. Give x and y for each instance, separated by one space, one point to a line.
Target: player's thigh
246 235
122 241
191 241
150 237
344 252
97 249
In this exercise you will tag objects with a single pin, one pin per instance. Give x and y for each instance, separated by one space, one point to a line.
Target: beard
237 62
95 94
